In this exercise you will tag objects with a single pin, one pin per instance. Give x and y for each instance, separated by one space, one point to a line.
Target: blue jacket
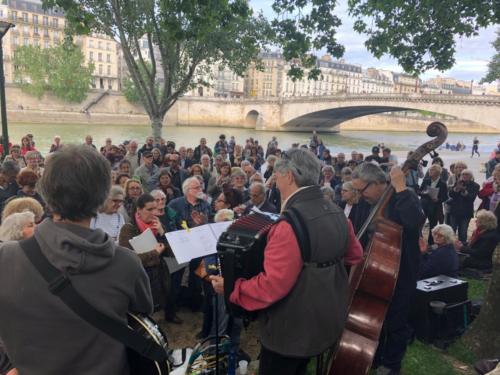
184 209
441 261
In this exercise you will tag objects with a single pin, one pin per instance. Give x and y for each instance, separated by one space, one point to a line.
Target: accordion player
241 252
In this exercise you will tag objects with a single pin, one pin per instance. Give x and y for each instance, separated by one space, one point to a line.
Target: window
108 46
46 44
14 15
109 70
1 13
56 34
108 58
35 29
25 17
99 44
55 23
110 84
36 42
91 43
99 56
91 56
100 69
45 32
26 30
15 41
45 21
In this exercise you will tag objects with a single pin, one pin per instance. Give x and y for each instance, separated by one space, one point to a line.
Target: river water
345 141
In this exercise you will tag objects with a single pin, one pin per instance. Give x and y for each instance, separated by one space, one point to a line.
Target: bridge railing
476 99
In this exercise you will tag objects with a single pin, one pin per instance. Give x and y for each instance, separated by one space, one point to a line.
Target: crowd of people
163 187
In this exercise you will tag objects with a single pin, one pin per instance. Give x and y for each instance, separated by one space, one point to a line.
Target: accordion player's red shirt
282 266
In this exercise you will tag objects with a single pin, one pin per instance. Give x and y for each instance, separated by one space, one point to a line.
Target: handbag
147 344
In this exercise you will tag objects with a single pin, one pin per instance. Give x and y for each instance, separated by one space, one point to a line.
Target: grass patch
477 288
421 359
459 351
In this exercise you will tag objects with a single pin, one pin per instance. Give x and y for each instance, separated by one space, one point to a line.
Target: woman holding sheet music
145 218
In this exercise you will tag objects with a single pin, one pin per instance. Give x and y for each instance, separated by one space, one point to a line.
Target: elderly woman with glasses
133 190
108 218
441 258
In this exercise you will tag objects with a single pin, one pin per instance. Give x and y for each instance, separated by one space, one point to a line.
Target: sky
472 55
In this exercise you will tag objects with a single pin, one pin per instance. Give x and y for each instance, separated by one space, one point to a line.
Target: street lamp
4 27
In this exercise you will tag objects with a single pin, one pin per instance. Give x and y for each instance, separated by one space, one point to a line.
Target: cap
375 149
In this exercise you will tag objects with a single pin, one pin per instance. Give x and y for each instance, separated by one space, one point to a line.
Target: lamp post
4 27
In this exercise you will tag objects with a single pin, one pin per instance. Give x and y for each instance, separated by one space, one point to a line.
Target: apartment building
45 28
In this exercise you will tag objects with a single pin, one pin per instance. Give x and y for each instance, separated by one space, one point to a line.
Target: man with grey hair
258 199
288 288
193 210
404 209
132 155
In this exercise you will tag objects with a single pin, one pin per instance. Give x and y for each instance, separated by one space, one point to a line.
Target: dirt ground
183 335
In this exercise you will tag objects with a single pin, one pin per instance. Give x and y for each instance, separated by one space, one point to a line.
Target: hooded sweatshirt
41 334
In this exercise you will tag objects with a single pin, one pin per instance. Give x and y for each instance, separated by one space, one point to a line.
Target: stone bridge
325 113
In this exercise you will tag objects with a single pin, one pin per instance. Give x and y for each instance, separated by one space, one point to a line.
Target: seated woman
441 258
482 243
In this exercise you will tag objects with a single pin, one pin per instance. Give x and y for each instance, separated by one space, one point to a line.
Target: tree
494 65
483 338
58 70
420 35
186 37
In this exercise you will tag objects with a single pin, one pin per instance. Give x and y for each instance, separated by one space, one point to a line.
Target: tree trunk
483 337
156 126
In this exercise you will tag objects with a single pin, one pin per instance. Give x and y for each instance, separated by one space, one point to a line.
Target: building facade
406 84
36 26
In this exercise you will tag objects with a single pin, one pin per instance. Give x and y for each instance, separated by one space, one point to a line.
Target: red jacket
282 267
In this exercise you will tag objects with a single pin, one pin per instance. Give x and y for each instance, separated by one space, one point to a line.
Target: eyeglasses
363 190
285 156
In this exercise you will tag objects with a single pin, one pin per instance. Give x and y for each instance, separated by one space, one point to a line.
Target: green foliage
58 70
31 70
420 35
494 65
460 351
131 91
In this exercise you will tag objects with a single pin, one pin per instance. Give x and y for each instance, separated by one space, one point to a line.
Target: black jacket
481 251
462 202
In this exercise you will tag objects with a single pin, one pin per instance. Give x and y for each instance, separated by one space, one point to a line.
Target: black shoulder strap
294 218
60 285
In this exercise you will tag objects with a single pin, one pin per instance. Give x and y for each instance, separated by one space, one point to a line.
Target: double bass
373 281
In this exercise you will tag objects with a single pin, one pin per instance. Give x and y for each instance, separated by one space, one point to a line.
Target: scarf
143 226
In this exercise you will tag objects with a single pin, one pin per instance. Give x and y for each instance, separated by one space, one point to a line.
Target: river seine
345 141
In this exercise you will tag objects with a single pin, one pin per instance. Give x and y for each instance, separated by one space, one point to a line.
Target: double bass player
404 209
302 295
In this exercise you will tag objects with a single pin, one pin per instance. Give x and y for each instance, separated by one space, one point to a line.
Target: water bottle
231 362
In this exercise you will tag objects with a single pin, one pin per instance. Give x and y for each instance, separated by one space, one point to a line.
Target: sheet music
196 242
144 242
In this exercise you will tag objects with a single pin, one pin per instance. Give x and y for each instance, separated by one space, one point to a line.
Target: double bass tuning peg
433 154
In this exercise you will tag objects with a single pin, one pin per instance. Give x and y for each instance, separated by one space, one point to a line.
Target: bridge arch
329 112
252 118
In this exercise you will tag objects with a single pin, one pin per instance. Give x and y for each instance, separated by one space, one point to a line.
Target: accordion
241 253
